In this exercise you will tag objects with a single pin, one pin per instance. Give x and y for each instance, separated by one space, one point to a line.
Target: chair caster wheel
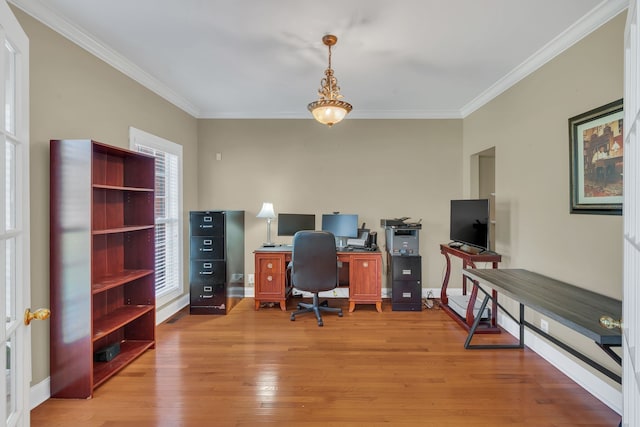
340 314
292 317
320 323
324 303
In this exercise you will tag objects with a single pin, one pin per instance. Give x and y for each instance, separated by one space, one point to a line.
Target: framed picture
596 160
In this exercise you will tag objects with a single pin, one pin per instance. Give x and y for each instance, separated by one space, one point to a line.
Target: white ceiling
265 59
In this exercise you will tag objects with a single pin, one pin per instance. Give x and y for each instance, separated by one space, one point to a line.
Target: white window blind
168 206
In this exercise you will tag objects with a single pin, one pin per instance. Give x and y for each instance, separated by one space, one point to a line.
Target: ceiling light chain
329 109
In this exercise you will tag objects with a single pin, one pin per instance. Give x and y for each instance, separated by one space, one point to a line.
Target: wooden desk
271 285
468 261
576 308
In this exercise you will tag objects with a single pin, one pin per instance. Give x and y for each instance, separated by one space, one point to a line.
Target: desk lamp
267 212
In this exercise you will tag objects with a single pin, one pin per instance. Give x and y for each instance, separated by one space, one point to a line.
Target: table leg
445 282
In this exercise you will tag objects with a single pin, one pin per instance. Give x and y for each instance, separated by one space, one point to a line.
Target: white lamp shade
266 211
329 115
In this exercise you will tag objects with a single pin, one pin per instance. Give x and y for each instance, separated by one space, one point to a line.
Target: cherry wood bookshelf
102 246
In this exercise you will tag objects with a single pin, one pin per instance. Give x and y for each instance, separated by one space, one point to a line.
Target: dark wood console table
575 308
468 261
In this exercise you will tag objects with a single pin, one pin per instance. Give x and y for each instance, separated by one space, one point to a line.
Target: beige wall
374 168
528 125
76 95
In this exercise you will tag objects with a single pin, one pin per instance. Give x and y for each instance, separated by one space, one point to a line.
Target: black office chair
314 268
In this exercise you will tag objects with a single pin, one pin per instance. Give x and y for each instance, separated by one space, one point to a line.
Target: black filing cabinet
406 284
216 261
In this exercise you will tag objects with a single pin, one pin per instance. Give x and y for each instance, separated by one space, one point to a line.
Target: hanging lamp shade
329 109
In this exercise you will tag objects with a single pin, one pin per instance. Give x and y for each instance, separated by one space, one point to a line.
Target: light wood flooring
252 368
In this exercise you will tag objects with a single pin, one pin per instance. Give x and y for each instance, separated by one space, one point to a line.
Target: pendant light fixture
329 109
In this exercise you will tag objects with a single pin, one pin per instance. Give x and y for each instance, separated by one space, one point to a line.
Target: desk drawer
271 265
270 285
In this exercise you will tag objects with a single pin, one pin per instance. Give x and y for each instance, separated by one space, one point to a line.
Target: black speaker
106 354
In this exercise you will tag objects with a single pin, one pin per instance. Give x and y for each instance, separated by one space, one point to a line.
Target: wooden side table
468 261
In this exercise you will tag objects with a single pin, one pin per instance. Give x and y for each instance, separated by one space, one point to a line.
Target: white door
631 286
15 340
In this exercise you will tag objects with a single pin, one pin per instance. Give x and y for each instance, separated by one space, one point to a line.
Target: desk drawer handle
365 264
270 265
269 278
609 323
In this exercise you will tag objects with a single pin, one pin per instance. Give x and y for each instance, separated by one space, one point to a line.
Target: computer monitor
289 224
342 226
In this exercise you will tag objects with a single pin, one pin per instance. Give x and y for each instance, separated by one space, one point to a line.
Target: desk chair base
316 308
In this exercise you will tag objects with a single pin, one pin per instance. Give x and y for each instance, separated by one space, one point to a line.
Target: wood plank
394 368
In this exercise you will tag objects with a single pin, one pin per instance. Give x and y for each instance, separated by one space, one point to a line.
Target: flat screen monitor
289 224
341 225
470 222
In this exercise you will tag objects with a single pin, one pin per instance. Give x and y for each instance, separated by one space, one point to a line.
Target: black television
289 224
469 224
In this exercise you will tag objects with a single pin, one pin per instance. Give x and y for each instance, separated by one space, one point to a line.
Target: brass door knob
610 323
39 314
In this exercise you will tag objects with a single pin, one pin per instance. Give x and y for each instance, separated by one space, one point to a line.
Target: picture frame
596 156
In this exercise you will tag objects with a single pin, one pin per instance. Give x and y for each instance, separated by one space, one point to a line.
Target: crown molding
355 114
79 36
600 15
605 11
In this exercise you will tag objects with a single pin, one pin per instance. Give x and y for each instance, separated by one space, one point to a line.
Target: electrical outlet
544 325
251 279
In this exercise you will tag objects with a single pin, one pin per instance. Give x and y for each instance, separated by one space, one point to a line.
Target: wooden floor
392 368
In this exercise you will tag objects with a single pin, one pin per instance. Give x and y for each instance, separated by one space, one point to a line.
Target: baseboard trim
172 308
586 379
39 393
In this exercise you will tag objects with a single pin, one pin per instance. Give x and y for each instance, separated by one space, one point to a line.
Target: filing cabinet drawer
207 223
207 295
406 267
205 247
209 272
406 291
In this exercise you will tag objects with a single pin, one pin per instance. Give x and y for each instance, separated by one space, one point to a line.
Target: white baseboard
172 308
39 393
586 379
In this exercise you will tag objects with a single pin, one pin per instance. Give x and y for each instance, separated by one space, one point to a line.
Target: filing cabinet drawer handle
208 288
206 272
207 265
207 296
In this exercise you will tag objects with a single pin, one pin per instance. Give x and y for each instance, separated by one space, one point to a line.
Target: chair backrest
314 261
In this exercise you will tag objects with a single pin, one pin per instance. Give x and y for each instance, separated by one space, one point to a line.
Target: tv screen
341 225
290 224
470 222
